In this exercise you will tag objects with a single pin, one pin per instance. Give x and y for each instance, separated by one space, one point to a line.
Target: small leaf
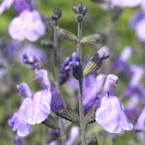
94 38
66 35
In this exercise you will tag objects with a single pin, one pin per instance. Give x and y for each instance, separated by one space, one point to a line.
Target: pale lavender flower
140 125
111 116
5 5
28 25
17 121
39 108
73 135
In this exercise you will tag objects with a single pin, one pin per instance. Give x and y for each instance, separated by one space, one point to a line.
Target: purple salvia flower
111 116
40 107
5 5
24 90
28 25
140 125
74 134
18 140
42 77
110 84
17 121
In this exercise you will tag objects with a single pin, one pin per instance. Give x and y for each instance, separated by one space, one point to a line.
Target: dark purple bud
57 102
104 52
24 90
76 66
42 77
47 44
18 140
57 14
29 58
75 60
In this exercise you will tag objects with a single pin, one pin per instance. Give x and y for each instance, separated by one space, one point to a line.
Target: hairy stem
81 109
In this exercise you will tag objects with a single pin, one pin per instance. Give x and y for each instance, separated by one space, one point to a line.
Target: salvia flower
40 106
17 122
110 115
28 25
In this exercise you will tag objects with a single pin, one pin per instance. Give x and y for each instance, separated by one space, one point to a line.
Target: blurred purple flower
140 125
120 3
28 25
5 5
121 63
32 51
111 116
138 22
73 135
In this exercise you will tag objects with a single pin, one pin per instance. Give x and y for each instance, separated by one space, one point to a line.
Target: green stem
56 69
82 122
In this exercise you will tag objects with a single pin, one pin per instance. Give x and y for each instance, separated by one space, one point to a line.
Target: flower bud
30 59
66 35
94 38
47 44
24 90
